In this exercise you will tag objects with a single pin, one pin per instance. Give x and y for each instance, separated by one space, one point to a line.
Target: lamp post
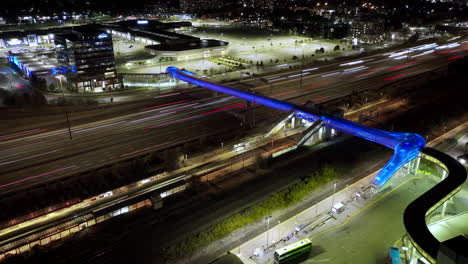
279 231
59 77
333 196
302 63
268 228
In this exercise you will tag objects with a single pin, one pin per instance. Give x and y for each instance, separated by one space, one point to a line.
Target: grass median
280 200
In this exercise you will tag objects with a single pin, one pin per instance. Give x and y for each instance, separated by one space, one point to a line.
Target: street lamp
279 230
302 63
59 77
268 228
333 196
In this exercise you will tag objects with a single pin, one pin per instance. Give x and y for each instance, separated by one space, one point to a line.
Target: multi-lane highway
45 153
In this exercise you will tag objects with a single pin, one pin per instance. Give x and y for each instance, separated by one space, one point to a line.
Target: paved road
43 153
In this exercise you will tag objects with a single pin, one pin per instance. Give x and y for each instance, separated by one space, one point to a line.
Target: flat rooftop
201 44
38 62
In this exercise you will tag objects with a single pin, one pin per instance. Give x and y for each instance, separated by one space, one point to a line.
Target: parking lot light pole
268 228
333 196
302 63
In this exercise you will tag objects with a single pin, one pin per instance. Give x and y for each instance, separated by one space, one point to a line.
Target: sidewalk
318 219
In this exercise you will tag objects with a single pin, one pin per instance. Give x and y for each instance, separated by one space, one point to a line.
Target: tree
51 87
322 50
413 38
337 47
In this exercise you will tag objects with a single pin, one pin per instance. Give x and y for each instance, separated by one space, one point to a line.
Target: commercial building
368 29
26 38
36 64
89 52
164 43
204 48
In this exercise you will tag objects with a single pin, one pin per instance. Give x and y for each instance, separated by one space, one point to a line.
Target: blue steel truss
406 145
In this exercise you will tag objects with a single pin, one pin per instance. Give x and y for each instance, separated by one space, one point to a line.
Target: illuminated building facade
89 53
368 30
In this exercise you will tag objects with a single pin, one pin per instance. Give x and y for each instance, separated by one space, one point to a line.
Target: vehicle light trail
401 57
320 99
178 107
330 74
314 86
369 72
352 63
101 126
144 149
393 77
34 177
214 102
287 92
312 69
166 95
448 51
454 57
241 105
159 106
355 69
19 134
279 79
299 74
151 117
171 122
34 156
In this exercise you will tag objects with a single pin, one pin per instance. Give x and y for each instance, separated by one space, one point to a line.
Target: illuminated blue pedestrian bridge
406 145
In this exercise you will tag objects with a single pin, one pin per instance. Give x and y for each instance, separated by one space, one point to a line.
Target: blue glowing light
103 36
406 145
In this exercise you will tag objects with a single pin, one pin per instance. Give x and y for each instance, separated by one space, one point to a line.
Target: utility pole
268 228
68 122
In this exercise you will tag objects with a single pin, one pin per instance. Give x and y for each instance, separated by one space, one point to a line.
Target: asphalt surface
42 154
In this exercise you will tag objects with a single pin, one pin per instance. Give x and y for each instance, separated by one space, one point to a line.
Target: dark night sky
48 5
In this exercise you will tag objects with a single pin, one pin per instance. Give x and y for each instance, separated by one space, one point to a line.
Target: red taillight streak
320 99
448 51
398 67
371 71
23 134
157 106
33 177
314 86
362 74
393 77
224 108
408 63
288 92
454 57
